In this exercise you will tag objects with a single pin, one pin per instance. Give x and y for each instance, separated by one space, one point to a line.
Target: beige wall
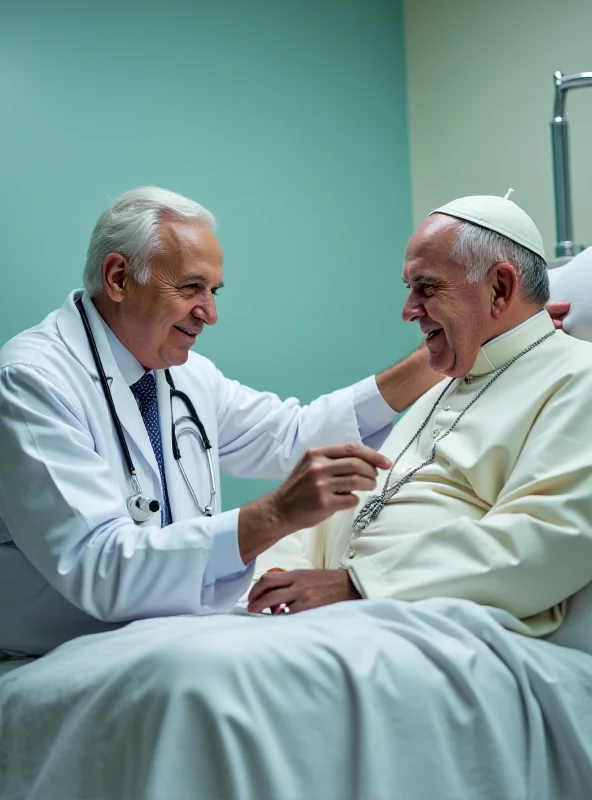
480 95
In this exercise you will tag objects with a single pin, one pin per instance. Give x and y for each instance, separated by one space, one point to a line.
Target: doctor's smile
192 334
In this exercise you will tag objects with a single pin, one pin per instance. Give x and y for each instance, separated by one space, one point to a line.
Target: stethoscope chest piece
142 508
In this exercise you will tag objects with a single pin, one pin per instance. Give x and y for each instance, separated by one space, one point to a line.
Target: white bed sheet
374 700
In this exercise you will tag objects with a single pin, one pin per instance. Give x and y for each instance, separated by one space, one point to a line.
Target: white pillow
573 282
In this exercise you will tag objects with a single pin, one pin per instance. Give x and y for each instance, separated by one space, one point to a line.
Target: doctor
100 523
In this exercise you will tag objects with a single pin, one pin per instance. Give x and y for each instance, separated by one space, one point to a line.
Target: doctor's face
454 316
161 319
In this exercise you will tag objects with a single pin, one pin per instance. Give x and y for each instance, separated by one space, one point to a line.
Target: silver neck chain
376 503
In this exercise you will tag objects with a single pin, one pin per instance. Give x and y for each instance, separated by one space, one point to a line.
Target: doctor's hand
302 589
322 483
557 311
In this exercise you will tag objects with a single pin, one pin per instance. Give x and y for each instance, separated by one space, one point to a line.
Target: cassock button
468 379
351 553
447 407
436 432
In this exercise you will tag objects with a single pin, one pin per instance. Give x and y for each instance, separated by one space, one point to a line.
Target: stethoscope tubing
106 390
192 417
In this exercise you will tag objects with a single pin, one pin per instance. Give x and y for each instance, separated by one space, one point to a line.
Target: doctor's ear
115 275
504 285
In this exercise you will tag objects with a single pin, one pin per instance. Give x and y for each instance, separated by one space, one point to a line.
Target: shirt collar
503 348
127 363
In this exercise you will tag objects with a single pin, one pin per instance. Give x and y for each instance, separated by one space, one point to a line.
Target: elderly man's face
162 318
454 316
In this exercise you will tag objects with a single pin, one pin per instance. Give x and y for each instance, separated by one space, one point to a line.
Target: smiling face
160 320
455 316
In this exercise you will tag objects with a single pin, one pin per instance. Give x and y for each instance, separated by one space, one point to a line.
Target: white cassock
503 514
383 698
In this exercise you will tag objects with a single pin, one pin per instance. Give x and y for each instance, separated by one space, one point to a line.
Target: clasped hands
301 590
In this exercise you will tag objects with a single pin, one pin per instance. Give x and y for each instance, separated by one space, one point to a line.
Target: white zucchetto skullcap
500 215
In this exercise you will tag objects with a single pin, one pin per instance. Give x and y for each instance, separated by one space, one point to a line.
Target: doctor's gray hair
478 249
130 227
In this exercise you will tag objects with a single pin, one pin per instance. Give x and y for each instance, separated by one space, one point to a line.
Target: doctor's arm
402 384
261 436
68 516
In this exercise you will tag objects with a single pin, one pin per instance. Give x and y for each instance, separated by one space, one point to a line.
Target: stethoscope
141 507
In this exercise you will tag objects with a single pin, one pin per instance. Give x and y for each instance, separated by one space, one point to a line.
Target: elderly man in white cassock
484 521
490 495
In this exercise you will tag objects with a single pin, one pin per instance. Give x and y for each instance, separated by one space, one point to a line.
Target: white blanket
374 700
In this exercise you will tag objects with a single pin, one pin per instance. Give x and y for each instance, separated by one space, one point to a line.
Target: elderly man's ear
114 276
504 286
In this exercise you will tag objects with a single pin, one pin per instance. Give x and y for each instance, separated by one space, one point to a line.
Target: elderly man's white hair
478 249
130 227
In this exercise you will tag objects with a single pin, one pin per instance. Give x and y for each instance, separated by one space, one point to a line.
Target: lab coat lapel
73 335
130 417
72 331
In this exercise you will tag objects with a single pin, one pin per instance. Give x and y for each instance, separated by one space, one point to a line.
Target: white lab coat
81 564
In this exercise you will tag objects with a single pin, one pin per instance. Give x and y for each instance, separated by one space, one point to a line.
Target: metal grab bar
560 144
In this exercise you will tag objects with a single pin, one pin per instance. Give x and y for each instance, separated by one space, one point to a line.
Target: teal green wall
287 120
481 92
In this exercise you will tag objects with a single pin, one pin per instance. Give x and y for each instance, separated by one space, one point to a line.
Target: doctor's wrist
402 384
260 525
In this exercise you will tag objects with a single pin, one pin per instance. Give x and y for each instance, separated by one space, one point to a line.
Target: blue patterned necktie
145 393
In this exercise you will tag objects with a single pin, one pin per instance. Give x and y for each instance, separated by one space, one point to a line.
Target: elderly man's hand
302 589
557 311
